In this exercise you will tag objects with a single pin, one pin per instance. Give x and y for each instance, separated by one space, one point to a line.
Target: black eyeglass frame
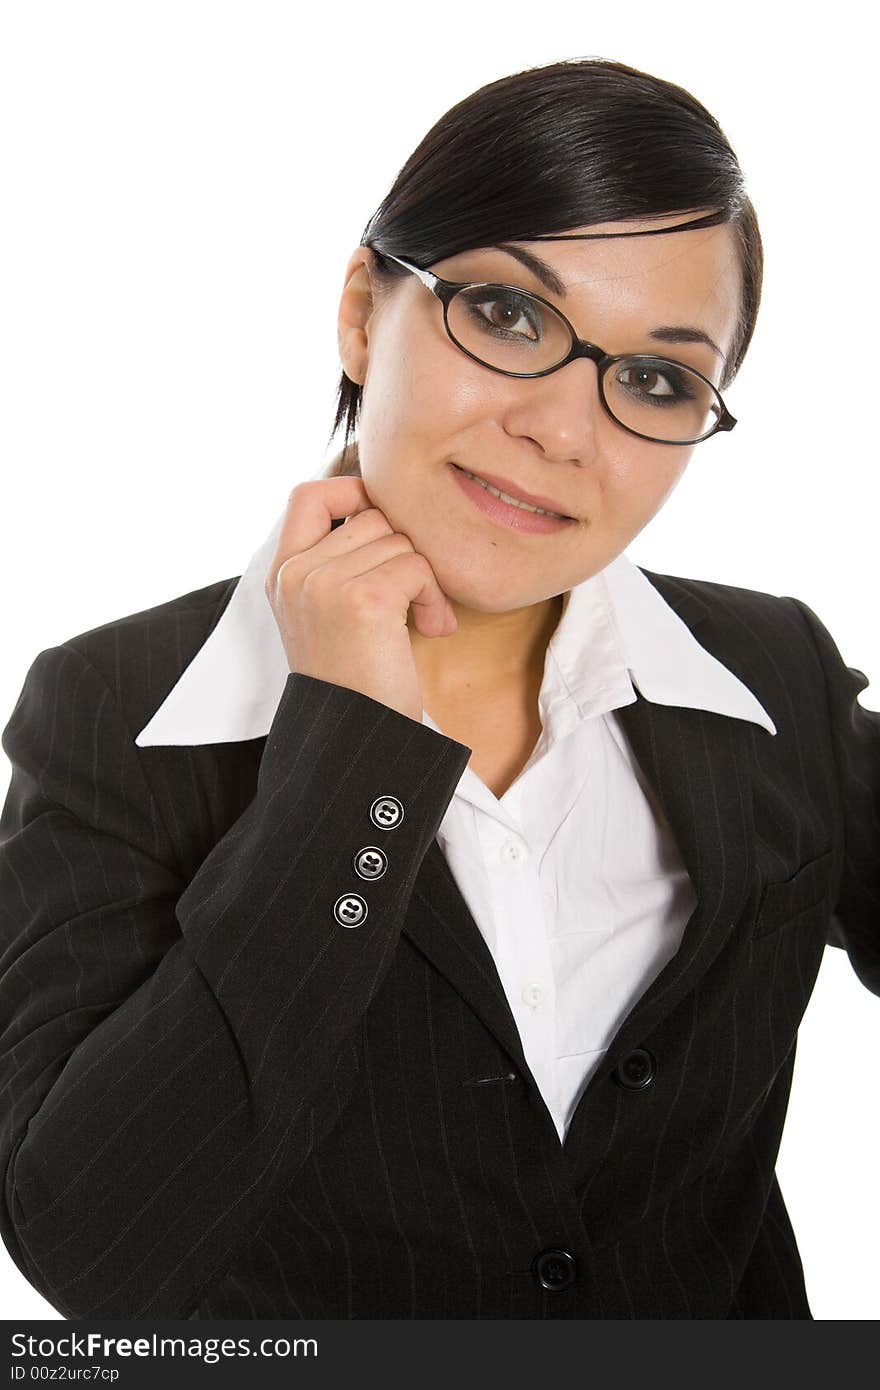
446 290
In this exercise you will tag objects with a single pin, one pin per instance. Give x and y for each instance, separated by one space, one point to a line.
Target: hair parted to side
548 149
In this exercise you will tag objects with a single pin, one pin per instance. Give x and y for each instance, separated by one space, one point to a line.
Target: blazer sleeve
170 1051
855 738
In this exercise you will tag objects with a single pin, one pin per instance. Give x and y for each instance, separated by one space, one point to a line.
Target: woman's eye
650 381
506 314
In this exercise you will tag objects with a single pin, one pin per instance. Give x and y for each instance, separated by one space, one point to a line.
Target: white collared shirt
572 876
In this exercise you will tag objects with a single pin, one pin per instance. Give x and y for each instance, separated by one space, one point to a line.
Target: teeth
514 501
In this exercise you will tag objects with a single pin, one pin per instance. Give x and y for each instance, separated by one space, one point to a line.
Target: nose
561 410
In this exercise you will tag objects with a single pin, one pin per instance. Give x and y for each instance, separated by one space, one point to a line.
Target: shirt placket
522 955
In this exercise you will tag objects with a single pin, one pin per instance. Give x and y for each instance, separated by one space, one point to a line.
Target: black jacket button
554 1268
636 1070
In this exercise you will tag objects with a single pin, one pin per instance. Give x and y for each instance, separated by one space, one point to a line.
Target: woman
419 924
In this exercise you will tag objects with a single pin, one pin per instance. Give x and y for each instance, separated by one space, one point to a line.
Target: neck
487 651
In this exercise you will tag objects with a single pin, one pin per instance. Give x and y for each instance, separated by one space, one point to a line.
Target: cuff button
386 812
350 910
370 862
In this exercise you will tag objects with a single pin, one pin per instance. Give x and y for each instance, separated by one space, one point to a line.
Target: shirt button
533 994
513 852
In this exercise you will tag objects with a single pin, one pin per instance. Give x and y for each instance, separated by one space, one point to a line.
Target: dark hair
548 149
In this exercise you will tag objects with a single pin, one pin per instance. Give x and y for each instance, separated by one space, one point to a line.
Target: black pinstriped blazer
218 1102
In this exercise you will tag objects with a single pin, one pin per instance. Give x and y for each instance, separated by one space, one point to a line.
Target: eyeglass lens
517 333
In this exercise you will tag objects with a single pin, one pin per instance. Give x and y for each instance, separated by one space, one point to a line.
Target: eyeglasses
517 333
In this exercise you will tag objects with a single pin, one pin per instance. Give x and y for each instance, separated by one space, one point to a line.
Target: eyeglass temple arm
428 279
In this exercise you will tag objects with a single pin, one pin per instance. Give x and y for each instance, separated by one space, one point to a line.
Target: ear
356 306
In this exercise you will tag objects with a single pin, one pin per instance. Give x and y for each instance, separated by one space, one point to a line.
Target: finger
409 576
311 510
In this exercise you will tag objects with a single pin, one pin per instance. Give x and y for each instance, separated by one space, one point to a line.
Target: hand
341 596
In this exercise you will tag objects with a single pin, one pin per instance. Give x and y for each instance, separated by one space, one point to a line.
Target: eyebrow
666 333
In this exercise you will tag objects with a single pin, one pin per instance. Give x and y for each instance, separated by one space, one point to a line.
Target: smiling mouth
512 501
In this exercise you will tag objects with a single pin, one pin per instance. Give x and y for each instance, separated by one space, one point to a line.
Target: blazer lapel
699 765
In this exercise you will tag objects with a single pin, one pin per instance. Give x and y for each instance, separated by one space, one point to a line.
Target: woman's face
427 406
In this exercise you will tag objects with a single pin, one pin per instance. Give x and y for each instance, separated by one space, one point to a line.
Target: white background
182 186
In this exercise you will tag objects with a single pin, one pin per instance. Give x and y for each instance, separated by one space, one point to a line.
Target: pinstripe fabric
217 1102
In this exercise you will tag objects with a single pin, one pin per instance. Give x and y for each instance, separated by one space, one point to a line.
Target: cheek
419 387
639 481
446 394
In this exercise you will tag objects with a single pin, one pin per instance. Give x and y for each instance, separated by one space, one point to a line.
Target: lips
534 500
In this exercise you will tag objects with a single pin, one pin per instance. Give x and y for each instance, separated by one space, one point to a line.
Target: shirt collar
614 625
